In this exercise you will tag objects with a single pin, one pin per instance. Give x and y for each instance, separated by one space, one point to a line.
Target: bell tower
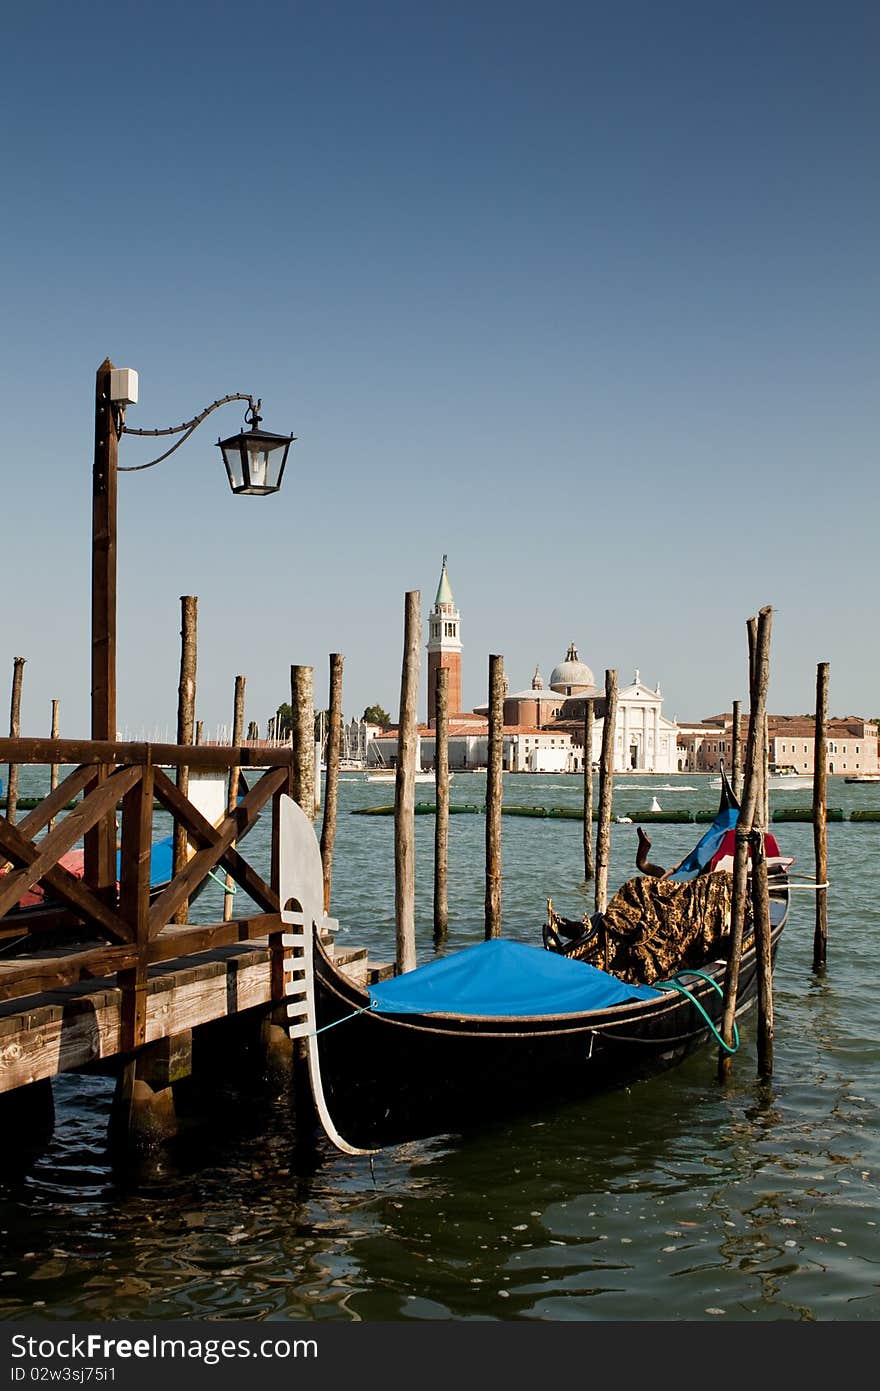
444 645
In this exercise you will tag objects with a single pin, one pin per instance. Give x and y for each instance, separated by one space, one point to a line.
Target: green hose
675 984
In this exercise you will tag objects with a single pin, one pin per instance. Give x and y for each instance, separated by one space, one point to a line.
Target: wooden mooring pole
404 788
736 750
441 816
760 894
589 859
331 784
820 818
14 733
232 787
186 712
759 649
494 796
302 734
53 767
606 784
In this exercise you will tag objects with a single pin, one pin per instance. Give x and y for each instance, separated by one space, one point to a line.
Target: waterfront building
543 726
852 744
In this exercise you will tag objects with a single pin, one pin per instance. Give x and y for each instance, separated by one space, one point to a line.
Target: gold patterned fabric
654 927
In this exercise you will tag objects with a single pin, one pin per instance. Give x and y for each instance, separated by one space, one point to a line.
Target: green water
673 1200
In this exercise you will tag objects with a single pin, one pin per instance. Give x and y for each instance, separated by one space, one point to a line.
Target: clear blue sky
585 295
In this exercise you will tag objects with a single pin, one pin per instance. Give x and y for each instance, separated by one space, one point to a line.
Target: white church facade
543 727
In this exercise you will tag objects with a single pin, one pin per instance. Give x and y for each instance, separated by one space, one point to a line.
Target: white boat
390 774
863 777
781 776
786 775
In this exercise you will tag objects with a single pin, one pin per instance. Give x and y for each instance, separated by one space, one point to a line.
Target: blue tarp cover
161 861
503 978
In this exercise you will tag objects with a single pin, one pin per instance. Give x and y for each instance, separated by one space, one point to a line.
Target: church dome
572 675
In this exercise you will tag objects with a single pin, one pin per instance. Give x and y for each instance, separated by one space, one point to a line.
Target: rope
675 984
227 888
343 1020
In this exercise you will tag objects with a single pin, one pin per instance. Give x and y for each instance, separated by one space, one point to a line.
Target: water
674 1199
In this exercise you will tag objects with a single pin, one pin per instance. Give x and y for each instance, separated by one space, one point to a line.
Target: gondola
493 1030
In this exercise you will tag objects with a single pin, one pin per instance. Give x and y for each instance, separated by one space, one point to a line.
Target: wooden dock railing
94 926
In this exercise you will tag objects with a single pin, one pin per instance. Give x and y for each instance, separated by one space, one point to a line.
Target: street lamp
254 462
255 459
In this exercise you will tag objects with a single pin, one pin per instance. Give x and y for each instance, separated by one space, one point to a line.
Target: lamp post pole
100 844
104 486
255 462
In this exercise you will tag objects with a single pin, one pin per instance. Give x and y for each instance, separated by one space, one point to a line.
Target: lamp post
255 463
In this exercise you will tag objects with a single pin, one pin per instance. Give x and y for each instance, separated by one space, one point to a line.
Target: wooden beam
77 1027
25 976
96 751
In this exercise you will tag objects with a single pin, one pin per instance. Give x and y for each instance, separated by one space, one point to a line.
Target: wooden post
820 818
200 731
765 772
736 750
606 785
53 769
232 790
764 961
331 784
759 676
253 733
186 710
404 788
302 736
441 813
100 843
494 796
589 860
760 899
134 906
14 733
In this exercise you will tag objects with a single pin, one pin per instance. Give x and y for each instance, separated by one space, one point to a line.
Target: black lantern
255 459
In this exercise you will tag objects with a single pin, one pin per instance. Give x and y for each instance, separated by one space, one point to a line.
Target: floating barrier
29 803
677 818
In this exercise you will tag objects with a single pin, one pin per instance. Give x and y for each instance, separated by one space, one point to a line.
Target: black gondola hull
391 1078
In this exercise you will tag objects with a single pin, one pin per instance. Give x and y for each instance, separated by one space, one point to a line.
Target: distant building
444 645
852 744
543 727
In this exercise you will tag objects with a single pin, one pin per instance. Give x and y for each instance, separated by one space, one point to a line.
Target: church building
543 726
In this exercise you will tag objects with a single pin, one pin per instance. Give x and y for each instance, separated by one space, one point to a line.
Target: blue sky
585 296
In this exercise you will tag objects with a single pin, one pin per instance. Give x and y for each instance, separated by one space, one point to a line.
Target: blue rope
345 1017
675 984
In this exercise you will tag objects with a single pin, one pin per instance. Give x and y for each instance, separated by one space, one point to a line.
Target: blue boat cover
161 861
502 978
705 848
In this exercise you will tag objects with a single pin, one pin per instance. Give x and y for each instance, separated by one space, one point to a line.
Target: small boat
207 792
780 776
863 777
786 775
491 1030
390 774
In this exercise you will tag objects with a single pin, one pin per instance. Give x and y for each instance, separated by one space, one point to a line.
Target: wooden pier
100 973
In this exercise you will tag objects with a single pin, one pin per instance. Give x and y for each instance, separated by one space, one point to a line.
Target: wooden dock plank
81 1024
